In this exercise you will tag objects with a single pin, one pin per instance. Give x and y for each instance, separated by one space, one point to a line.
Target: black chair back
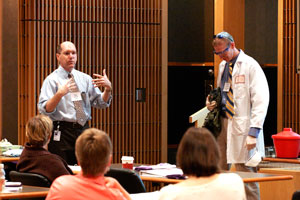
27 178
296 195
129 180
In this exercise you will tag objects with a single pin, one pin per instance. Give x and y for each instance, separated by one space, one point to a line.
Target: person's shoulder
231 177
53 75
62 183
230 174
169 188
173 192
64 180
222 63
247 58
55 158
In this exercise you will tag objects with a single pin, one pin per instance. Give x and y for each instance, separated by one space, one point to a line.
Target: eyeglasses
224 35
222 52
220 36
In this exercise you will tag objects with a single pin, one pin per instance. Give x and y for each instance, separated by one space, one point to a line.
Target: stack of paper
13 153
12 187
158 166
159 170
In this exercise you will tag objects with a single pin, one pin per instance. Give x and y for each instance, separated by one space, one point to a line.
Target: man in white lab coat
245 100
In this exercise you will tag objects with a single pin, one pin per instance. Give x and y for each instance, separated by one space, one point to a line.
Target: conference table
4 159
278 190
32 191
285 160
25 192
247 177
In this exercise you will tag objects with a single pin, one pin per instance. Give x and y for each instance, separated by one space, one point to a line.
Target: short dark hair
58 48
93 150
198 153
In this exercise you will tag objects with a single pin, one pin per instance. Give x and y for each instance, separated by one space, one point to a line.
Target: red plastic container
287 144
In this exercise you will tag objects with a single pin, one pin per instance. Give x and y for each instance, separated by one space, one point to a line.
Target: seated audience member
93 151
198 157
35 157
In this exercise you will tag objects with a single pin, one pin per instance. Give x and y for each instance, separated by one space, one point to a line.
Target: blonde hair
39 130
93 150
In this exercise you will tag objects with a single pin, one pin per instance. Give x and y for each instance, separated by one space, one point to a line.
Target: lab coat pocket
240 125
239 91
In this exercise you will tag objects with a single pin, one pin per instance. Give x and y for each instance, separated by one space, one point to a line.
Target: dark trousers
222 142
65 147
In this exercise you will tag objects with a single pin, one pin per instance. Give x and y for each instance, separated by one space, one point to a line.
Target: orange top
79 187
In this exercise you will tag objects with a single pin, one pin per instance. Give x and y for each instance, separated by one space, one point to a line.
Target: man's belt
68 124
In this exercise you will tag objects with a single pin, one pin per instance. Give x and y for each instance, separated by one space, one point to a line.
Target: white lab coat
251 100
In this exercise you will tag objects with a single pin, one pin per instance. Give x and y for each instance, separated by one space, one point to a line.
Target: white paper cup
127 162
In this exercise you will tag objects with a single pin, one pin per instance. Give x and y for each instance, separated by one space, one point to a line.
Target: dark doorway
187 91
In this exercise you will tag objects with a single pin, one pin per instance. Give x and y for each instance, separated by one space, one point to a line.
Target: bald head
59 47
67 55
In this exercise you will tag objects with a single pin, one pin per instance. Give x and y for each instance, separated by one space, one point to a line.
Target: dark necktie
230 102
80 115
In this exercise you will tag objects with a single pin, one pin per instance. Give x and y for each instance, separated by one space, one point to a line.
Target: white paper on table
11 189
13 152
75 168
163 166
158 166
161 172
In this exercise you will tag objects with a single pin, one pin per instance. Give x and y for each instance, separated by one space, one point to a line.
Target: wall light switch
140 94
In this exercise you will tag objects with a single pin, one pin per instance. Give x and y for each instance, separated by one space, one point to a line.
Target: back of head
38 130
93 150
198 153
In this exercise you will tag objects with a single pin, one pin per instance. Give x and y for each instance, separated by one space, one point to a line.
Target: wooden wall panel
288 79
1 70
229 16
123 37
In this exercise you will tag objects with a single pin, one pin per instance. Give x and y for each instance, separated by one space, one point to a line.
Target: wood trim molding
268 65
164 98
280 68
210 64
190 64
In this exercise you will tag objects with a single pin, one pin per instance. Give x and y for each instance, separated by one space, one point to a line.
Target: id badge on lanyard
76 96
57 134
226 87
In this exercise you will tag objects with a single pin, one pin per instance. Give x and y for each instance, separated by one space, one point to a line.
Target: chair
129 180
27 178
296 195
